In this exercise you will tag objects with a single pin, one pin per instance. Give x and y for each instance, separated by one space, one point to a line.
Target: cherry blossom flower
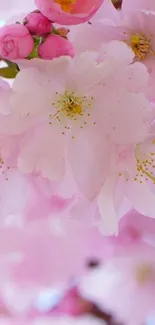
68 12
125 283
72 113
69 104
131 177
137 31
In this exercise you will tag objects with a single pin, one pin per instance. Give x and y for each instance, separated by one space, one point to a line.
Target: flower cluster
77 154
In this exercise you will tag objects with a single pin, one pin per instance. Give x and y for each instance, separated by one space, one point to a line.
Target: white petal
89 160
106 207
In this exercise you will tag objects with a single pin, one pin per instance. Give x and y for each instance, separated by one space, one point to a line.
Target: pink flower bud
37 24
55 46
15 42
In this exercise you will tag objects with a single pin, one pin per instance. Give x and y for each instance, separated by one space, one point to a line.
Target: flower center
143 168
145 165
141 45
66 5
145 273
71 105
71 108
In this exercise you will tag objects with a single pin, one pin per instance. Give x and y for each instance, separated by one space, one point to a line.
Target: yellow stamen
141 45
145 163
71 105
147 174
70 108
66 5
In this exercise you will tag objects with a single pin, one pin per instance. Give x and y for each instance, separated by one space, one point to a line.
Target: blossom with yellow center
71 107
145 165
66 5
141 45
144 274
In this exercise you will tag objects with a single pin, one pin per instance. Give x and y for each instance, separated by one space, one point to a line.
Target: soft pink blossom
71 133
136 30
37 24
70 12
132 177
125 285
15 42
55 46
48 253
88 85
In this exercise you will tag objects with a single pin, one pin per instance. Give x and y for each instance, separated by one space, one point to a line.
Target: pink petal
133 110
32 91
105 200
50 258
141 198
85 211
88 162
15 125
44 154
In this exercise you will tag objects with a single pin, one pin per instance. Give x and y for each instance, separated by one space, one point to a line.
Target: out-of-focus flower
43 201
135 226
55 46
125 283
37 24
72 304
68 12
15 42
50 252
88 320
